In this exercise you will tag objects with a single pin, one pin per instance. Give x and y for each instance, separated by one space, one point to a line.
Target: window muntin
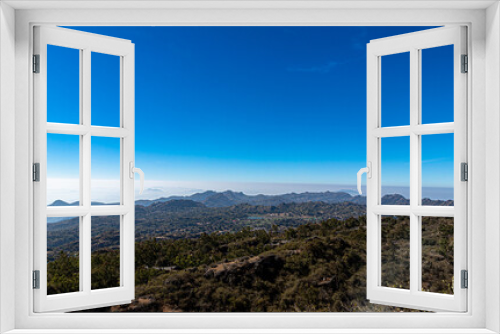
417 44
48 298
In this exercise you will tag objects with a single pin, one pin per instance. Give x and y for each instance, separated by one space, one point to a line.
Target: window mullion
85 179
415 244
418 155
81 240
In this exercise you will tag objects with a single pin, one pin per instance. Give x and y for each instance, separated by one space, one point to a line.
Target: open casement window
399 260
80 136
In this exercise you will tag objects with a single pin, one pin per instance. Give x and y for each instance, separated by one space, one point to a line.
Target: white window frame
86 44
414 43
482 19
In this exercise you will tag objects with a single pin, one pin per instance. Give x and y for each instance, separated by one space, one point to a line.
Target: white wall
220 17
492 166
7 160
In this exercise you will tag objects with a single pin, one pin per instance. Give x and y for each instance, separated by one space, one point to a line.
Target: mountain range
213 199
228 198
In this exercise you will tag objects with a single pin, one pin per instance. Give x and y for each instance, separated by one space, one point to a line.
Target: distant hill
395 199
228 198
187 218
179 205
181 219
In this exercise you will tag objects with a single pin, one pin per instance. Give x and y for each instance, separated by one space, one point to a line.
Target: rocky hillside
316 267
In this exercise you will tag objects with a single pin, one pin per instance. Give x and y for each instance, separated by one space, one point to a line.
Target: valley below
306 253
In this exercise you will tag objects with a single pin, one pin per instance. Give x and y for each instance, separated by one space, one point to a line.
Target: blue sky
254 104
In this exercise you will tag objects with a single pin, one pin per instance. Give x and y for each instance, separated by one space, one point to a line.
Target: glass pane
437 254
395 90
105 252
105 90
63 85
63 169
63 261
437 169
395 255
437 85
395 170
105 170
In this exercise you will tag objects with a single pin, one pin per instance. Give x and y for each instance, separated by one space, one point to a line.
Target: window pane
437 169
106 170
395 255
63 169
63 85
105 90
437 254
437 84
105 252
63 261
395 170
395 90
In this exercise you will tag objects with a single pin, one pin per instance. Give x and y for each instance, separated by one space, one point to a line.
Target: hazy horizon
107 190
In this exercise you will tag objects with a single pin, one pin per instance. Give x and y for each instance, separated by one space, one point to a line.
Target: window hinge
36 279
464 170
465 64
36 172
465 279
36 63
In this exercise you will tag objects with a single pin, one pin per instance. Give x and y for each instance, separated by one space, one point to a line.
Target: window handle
368 171
134 170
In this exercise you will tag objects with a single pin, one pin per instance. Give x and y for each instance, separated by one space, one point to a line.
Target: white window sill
250 331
